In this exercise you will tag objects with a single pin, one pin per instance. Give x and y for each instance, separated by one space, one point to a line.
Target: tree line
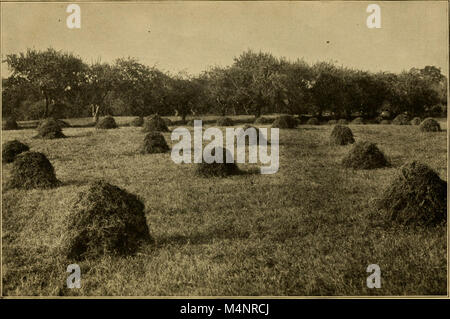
60 84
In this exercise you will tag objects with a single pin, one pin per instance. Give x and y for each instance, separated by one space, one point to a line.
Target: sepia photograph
240 149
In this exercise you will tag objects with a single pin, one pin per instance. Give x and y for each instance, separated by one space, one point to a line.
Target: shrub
224 121
154 142
430 125
50 129
137 121
342 121
332 122
105 220
365 155
258 134
401 119
214 169
416 121
312 121
10 124
358 120
32 170
155 123
417 195
263 120
384 122
11 149
285 121
106 123
341 135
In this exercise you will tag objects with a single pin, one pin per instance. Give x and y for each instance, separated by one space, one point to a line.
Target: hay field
310 229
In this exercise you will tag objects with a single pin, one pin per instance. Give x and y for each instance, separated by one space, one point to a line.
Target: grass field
310 229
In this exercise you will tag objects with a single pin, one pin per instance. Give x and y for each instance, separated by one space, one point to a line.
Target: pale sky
191 36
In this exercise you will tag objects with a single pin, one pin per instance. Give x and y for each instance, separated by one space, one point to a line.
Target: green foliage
365 155
104 220
32 170
54 74
106 123
430 125
154 142
255 83
11 149
417 195
341 135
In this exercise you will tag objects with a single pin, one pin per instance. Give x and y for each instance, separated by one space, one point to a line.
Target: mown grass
310 229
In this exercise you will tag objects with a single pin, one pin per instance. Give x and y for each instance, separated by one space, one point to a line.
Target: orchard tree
53 73
259 80
143 88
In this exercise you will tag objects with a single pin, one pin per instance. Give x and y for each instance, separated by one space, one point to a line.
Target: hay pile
32 170
332 122
312 121
50 129
365 155
263 120
259 136
105 220
341 135
416 121
155 123
401 119
358 120
154 142
224 121
10 124
214 169
138 121
416 196
430 125
285 121
11 149
106 123
342 121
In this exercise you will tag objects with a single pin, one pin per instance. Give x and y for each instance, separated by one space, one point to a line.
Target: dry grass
310 229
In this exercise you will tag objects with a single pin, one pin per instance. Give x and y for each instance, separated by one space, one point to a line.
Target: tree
100 79
183 95
142 87
295 87
53 73
258 81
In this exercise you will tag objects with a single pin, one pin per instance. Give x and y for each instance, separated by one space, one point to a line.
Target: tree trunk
95 113
46 108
